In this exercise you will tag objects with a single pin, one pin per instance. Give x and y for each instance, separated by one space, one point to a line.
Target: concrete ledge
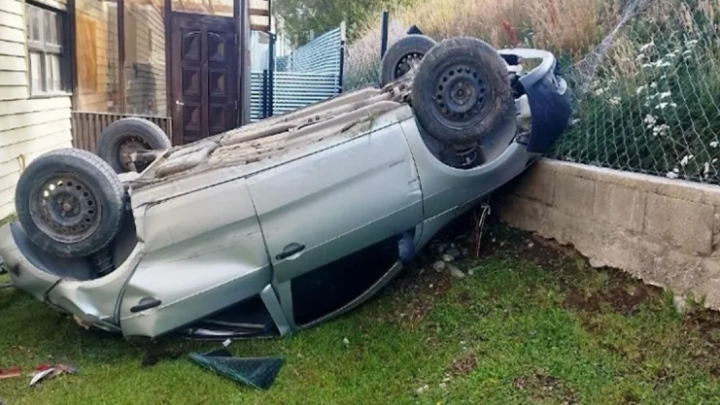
665 232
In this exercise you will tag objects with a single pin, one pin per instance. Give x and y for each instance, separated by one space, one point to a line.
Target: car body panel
334 204
24 269
549 98
204 251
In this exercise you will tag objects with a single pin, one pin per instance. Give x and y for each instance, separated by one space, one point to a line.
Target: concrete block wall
665 232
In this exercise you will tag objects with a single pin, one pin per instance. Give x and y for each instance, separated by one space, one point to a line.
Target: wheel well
81 268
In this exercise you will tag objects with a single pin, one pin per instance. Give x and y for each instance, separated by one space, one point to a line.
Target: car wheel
461 91
70 203
123 137
400 56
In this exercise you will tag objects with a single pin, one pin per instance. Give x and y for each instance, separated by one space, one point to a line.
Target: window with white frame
48 67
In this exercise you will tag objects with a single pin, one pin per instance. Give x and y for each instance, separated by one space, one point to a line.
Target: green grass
530 326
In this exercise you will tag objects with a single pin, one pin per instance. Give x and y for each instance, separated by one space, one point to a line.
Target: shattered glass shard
258 372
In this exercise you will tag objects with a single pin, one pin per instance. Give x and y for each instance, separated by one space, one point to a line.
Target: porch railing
87 126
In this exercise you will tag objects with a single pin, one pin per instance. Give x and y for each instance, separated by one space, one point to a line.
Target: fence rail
322 55
290 91
87 126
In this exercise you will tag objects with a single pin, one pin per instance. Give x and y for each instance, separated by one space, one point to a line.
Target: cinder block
537 184
686 225
574 195
620 205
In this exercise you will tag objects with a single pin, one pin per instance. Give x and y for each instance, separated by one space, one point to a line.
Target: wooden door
204 75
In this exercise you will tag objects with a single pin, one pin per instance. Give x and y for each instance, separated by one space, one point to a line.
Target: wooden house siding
28 126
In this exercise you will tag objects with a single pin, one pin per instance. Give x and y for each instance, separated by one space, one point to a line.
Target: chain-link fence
651 104
362 57
644 73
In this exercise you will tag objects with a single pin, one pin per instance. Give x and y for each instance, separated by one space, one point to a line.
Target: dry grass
568 27
573 26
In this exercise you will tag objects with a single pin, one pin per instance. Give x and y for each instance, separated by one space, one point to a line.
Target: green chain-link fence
648 102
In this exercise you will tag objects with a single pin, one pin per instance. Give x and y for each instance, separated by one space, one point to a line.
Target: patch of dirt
630 399
415 292
622 293
707 324
463 365
542 386
663 378
155 353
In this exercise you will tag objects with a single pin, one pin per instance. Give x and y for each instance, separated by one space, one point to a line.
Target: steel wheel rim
128 145
66 208
406 63
460 92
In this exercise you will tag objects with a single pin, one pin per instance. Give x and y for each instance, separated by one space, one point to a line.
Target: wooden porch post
121 55
167 20
71 43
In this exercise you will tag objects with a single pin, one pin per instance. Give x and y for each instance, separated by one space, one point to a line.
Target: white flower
706 170
687 52
640 57
647 65
653 85
647 46
661 130
714 144
650 120
714 161
685 160
639 89
665 95
672 175
615 100
662 106
599 92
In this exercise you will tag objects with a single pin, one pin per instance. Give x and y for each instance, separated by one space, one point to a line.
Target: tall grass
569 27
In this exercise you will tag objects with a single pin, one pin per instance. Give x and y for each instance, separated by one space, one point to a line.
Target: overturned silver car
287 222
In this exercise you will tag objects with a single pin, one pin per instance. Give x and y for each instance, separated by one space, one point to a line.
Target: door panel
337 202
204 251
205 76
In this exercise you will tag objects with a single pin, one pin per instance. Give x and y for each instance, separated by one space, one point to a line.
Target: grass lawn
532 325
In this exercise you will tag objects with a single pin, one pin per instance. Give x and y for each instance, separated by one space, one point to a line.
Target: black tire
130 133
394 63
461 91
74 186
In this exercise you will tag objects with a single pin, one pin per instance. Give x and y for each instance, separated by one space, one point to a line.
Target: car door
349 200
203 252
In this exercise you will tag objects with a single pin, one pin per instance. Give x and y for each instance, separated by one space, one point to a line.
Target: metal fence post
385 28
341 73
271 71
265 90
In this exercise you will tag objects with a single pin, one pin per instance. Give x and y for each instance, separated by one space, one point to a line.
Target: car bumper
549 98
92 303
